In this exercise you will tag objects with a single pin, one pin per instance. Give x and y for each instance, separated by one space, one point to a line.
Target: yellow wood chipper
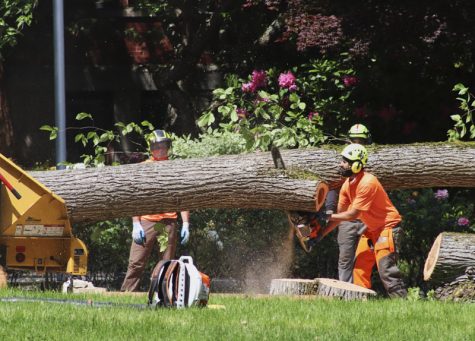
35 232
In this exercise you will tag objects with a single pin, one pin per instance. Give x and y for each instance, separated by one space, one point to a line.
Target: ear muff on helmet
357 155
356 166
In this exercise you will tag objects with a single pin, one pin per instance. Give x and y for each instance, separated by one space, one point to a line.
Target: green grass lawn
242 318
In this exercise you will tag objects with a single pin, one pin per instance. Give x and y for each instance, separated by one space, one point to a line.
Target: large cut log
450 255
323 287
249 180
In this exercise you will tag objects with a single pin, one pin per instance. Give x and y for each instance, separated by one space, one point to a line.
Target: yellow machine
35 231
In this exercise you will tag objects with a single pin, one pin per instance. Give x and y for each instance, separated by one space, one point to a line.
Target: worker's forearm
336 218
344 216
185 216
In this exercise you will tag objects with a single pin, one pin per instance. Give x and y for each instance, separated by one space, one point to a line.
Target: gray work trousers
139 254
349 233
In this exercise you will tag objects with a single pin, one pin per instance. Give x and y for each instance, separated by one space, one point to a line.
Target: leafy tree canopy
14 15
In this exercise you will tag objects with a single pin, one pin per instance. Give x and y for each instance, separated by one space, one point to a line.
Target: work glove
323 217
138 233
185 233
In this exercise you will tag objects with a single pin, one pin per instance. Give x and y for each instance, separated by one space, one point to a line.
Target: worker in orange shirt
144 232
349 232
363 197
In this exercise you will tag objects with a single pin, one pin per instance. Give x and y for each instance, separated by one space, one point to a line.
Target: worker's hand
138 233
185 233
324 217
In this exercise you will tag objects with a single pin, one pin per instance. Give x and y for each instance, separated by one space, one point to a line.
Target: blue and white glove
185 233
138 233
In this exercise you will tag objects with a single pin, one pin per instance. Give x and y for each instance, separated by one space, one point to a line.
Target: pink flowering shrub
287 80
350 81
312 115
290 108
258 80
441 194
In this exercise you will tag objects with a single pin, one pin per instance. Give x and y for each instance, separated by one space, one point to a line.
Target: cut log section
323 287
328 287
449 256
293 286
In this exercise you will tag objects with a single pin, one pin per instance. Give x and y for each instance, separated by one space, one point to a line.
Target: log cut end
431 260
320 195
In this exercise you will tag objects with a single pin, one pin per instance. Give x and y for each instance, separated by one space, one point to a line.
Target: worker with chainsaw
363 197
146 228
349 232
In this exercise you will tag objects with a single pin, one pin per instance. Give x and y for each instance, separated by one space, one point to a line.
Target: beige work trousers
139 254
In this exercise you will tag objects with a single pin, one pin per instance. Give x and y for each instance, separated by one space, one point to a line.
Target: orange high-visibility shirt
366 194
158 216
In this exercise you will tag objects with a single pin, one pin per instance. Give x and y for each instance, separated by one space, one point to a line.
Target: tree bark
450 255
6 127
248 180
323 287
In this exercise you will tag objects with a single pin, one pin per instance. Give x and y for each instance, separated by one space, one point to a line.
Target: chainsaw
309 227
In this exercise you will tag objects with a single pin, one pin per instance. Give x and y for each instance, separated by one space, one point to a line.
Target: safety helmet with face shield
160 144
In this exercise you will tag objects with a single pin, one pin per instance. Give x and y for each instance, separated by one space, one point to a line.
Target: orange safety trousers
372 247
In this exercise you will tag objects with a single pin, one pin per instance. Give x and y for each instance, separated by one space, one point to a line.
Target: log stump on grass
293 286
322 287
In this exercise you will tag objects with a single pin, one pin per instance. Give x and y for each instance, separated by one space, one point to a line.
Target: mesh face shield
160 139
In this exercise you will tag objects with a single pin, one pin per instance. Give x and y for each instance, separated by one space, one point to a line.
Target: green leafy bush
464 126
287 108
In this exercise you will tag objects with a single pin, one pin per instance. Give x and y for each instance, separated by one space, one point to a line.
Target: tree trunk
323 287
6 128
450 255
249 180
